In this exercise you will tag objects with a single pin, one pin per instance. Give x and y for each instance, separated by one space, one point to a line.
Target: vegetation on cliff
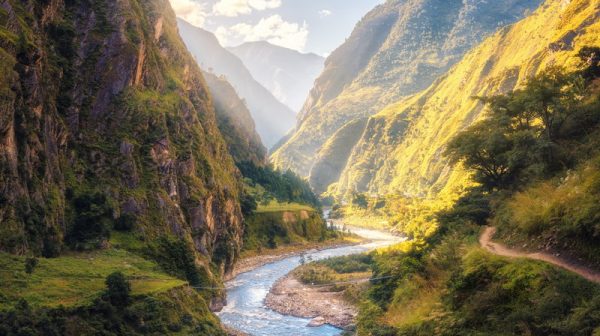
111 159
533 158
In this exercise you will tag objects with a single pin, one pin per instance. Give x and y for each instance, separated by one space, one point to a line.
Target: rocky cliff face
101 101
398 49
400 150
235 122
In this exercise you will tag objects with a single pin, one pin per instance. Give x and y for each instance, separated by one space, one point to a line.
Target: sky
317 26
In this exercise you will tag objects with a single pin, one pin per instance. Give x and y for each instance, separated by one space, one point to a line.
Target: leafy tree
118 289
285 187
360 200
523 133
248 204
486 149
93 217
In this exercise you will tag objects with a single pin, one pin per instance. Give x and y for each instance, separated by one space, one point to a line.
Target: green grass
76 279
275 206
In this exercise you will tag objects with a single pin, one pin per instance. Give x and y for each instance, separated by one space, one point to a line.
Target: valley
195 167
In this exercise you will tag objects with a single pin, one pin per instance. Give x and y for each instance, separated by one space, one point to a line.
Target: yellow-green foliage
279 225
413 217
457 288
77 279
410 162
562 213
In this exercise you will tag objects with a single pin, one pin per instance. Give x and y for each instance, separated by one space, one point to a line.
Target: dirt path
486 242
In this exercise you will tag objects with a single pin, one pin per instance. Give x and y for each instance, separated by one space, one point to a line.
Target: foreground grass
77 279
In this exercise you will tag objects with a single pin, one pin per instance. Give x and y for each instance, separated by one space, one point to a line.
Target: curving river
245 310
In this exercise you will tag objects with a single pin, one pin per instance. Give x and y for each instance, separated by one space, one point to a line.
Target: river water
245 310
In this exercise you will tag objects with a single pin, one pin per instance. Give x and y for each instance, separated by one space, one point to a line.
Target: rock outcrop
102 98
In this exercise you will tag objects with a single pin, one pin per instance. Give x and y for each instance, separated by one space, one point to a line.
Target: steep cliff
400 150
105 118
273 119
288 74
235 122
397 49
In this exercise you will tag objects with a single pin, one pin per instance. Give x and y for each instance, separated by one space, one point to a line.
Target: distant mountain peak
288 74
273 119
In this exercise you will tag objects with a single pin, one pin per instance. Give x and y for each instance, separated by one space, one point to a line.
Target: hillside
111 158
273 119
400 150
235 122
288 74
396 50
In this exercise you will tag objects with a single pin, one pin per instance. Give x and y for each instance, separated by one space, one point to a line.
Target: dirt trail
486 242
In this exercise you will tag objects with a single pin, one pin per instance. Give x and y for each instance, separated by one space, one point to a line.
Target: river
245 310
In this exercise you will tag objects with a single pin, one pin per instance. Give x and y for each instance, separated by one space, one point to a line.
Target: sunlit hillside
400 150
397 49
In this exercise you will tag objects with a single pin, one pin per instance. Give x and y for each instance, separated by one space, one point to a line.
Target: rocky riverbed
289 296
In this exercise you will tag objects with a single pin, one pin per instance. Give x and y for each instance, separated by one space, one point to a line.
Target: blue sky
317 26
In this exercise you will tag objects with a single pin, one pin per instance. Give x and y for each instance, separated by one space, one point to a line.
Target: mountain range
287 73
395 51
273 118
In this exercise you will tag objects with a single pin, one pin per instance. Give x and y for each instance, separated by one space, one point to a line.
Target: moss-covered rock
101 99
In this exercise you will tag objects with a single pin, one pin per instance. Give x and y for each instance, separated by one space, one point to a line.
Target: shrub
118 289
176 258
30 264
91 223
126 222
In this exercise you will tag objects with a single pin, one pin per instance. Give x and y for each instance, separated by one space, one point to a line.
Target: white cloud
264 4
233 8
272 29
324 13
192 11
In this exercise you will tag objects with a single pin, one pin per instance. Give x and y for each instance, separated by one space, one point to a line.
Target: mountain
288 74
273 119
107 124
400 149
395 51
235 122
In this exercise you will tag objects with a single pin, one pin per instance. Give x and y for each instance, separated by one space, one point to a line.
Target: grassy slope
409 162
457 288
77 279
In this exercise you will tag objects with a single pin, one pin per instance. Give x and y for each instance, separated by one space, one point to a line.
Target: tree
118 289
591 58
486 149
248 204
360 200
93 217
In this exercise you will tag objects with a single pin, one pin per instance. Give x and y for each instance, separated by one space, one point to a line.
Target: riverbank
323 305
251 261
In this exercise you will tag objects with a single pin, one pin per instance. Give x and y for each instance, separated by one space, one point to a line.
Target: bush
285 187
92 221
118 289
176 258
126 222
30 264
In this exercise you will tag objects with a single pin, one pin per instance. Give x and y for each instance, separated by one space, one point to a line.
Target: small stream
246 293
